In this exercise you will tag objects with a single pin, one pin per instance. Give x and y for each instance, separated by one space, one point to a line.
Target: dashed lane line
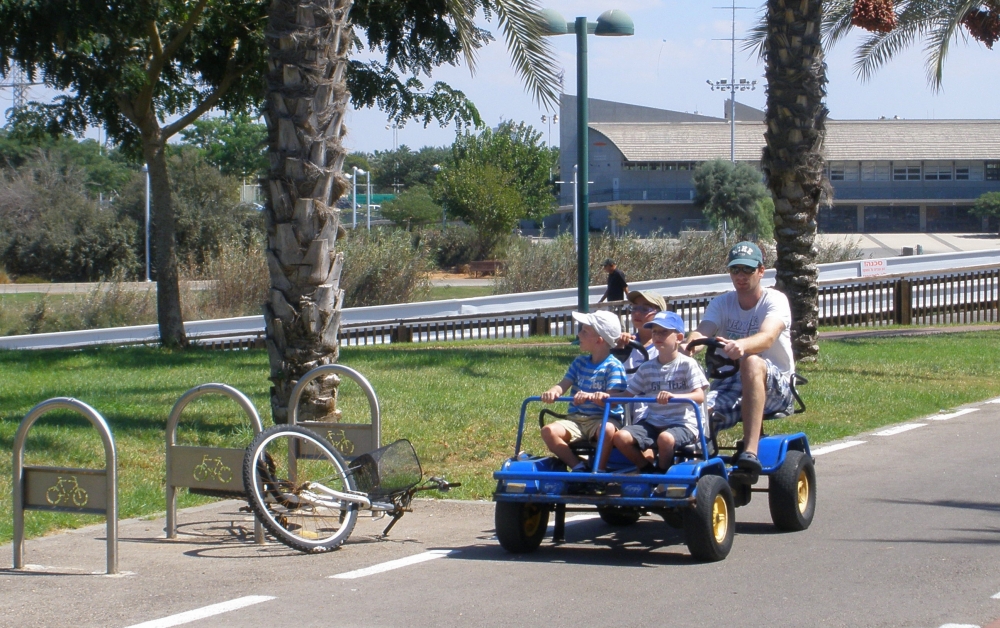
207 611
950 415
837 447
899 429
394 564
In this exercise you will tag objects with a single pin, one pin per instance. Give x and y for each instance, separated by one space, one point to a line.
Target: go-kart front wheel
791 493
709 526
521 527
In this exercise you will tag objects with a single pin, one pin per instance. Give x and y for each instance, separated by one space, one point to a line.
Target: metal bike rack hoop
64 489
350 439
213 470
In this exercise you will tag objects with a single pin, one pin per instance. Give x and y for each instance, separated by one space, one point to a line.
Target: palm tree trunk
308 43
793 162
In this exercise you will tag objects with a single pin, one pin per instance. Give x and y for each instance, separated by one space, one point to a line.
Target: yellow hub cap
720 518
803 491
532 517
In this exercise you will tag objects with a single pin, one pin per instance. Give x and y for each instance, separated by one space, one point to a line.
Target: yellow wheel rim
720 518
803 487
532 518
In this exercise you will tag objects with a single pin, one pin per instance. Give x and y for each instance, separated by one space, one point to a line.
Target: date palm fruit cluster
983 25
877 16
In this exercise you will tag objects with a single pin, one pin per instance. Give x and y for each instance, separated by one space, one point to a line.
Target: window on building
875 170
838 219
992 170
903 171
836 171
937 171
962 171
851 171
892 219
952 219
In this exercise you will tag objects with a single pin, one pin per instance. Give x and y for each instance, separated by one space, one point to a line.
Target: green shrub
23 279
383 266
453 246
241 280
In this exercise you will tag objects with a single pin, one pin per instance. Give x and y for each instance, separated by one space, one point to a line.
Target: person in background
617 286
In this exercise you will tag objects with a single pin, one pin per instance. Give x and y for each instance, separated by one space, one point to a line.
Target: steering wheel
624 352
719 365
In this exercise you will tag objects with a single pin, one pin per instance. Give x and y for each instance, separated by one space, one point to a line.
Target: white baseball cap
606 324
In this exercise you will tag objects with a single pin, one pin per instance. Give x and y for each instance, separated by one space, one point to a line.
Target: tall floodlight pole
732 86
354 199
610 23
368 198
145 173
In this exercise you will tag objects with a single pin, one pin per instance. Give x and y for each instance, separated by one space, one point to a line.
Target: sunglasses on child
641 309
741 270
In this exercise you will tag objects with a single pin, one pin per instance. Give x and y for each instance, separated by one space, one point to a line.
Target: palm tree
935 22
309 43
792 161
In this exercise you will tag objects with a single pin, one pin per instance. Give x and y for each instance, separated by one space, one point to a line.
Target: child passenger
672 375
598 373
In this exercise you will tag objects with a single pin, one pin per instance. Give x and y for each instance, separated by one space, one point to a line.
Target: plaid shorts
725 397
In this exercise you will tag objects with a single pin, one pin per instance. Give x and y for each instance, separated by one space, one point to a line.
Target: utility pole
732 86
18 82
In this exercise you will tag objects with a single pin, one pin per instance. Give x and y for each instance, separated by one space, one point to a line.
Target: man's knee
752 366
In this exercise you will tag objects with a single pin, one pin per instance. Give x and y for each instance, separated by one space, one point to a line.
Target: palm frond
836 21
463 13
912 22
946 28
531 55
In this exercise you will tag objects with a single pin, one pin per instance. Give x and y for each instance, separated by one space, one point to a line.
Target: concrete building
887 175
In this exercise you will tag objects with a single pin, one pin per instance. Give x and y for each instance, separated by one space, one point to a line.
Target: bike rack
93 491
216 471
350 439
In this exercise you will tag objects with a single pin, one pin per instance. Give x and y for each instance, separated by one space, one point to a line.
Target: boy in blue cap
671 375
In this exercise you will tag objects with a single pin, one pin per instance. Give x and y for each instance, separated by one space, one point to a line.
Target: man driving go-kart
752 323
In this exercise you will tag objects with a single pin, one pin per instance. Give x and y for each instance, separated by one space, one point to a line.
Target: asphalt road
906 534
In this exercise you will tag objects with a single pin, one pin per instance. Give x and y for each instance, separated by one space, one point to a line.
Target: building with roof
887 175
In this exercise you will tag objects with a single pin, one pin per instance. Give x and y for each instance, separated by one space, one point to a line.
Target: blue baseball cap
667 320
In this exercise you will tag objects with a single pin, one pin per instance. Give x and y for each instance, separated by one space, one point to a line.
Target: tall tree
309 43
792 161
733 193
129 66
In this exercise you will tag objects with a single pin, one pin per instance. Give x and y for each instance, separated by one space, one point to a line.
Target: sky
677 46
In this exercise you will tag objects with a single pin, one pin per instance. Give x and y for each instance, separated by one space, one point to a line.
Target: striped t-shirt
608 376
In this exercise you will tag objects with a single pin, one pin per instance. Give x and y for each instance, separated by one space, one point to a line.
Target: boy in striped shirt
587 377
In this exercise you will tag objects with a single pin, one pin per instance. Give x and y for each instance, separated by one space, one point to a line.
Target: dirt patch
447 274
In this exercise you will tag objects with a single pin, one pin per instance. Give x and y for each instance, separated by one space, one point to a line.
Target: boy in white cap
588 376
672 375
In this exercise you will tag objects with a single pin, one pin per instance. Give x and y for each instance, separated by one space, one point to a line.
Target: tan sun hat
650 297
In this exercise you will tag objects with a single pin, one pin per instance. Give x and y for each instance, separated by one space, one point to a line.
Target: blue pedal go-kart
699 492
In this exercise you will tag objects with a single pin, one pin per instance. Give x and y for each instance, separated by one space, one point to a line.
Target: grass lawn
440 293
457 402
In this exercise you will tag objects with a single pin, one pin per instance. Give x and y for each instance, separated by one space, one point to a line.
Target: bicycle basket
391 469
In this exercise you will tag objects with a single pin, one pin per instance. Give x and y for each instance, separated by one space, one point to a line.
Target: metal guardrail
66 489
414 321
216 471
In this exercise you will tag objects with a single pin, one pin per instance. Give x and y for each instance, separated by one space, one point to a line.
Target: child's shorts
584 425
645 435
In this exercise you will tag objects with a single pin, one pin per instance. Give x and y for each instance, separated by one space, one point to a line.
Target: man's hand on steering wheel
732 348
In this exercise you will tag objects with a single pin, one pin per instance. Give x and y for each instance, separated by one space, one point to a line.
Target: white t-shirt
734 322
634 361
681 375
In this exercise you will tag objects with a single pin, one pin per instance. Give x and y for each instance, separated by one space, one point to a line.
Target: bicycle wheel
287 471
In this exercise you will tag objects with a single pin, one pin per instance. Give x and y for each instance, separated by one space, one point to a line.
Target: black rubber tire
521 527
618 515
273 497
709 526
791 493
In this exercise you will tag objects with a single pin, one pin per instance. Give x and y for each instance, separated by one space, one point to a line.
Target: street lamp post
395 149
354 198
145 172
549 121
610 23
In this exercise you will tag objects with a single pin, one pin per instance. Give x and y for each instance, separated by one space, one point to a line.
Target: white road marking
394 564
899 429
207 611
959 626
831 448
995 597
951 415
997 400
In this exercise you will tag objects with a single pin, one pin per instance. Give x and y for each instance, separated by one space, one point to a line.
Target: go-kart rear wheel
521 527
618 515
709 526
791 493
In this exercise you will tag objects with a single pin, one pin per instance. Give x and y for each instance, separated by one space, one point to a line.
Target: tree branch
232 74
162 55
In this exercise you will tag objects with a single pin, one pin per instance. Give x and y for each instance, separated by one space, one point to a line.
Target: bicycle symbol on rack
65 492
212 468
338 438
